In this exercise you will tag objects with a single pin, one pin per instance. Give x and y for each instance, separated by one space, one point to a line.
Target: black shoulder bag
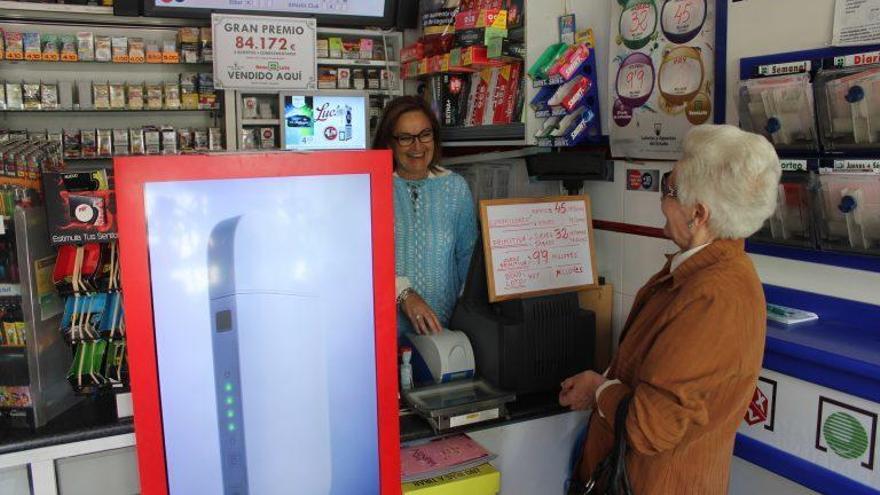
609 477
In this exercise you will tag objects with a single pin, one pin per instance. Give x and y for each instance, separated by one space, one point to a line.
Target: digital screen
325 122
265 334
362 8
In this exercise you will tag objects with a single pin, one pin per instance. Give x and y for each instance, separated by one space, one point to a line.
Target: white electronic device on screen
270 360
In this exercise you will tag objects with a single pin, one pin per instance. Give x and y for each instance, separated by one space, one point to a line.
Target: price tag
170 58
154 57
69 57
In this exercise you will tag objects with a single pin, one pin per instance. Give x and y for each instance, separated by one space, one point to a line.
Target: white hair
732 172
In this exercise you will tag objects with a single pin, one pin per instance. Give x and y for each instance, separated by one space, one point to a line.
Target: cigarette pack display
172 95
184 139
49 96
2 48
51 48
169 52
335 47
249 107
105 142
103 49
154 96
152 141
56 138
358 80
136 51
366 49
32 48
200 140
135 96
30 94
169 141
499 96
514 93
266 111
189 53
117 96
69 51
373 79
215 139
351 50
153 52
386 79
322 48
120 141
136 141
248 139
120 49
207 93
65 95
101 93
343 78
267 137
89 143
489 108
38 134
2 98
72 143
188 34
84 95
326 78
14 45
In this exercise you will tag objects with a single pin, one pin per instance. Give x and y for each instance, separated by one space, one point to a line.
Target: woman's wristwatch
404 294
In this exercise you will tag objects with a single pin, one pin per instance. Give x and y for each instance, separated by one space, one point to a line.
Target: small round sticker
621 113
637 23
682 20
681 74
699 109
635 79
84 213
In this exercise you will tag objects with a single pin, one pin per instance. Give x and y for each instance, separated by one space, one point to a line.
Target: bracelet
404 294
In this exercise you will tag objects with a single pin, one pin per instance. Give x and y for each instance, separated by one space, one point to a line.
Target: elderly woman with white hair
692 347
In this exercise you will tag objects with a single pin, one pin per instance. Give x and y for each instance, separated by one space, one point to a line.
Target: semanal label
799 67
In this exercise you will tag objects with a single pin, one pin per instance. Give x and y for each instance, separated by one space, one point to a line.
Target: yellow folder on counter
481 480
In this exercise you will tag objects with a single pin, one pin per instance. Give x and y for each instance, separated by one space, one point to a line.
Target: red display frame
132 173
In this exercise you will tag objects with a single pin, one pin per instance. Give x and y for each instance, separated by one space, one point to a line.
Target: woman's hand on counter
420 314
579 391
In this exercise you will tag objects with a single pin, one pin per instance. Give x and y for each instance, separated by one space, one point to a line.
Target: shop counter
814 418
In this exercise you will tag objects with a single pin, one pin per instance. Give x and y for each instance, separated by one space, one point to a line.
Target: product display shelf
358 63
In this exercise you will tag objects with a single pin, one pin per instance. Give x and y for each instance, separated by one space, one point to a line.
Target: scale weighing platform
459 403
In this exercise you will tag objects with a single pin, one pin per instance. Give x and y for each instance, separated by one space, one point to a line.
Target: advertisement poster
264 52
661 74
325 122
80 206
856 22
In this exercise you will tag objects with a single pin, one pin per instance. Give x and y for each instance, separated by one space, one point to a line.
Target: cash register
526 345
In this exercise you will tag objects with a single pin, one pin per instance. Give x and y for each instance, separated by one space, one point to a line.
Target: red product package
576 58
576 95
412 52
479 97
471 19
437 45
499 97
513 92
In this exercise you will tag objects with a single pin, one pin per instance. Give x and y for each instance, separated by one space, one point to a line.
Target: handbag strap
618 484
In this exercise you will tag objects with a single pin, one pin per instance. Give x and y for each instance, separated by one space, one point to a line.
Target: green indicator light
230 413
231 426
229 400
228 387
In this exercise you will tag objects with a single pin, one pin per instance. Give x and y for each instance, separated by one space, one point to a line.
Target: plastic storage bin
848 215
849 108
780 108
792 222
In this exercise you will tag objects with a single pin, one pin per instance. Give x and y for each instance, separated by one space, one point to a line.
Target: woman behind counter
691 350
434 218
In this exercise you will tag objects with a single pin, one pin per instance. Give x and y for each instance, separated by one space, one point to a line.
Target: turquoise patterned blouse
435 228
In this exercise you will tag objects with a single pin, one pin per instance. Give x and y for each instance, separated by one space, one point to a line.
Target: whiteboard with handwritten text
537 246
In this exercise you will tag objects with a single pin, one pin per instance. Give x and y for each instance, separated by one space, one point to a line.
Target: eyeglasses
424 137
668 190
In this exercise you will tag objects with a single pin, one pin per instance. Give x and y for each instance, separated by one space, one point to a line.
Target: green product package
539 70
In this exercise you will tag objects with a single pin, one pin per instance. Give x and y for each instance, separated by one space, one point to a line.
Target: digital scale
459 403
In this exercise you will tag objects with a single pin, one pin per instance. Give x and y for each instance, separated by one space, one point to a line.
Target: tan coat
690 354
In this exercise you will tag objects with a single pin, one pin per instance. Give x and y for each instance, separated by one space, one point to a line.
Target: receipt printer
442 357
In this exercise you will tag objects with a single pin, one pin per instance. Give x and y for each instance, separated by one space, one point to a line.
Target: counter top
90 419
840 350
87 420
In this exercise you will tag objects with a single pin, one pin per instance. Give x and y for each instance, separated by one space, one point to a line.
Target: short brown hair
393 111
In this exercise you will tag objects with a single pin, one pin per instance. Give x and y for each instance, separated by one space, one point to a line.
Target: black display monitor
380 13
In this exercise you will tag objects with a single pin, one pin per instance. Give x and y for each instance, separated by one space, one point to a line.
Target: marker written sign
537 246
